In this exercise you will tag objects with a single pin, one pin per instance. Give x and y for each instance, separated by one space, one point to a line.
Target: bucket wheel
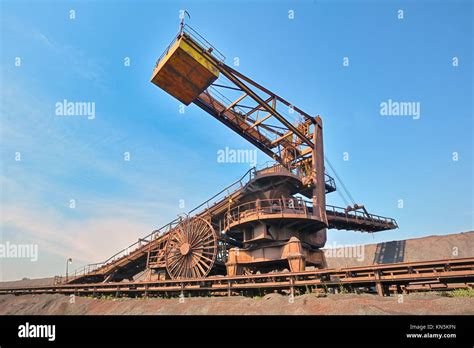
191 249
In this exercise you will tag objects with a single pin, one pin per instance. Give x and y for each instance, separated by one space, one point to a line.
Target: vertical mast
319 191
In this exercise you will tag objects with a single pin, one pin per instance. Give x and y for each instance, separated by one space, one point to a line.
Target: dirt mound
272 304
451 246
27 282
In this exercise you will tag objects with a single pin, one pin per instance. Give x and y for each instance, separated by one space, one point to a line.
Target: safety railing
227 191
198 38
278 206
165 52
293 206
270 167
356 214
189 32
140 244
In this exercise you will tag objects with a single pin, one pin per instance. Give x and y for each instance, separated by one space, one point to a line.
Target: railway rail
384 279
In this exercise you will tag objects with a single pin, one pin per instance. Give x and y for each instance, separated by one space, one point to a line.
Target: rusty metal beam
231 105
387 275
226 70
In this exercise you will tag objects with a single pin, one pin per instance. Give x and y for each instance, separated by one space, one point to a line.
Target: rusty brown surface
270 304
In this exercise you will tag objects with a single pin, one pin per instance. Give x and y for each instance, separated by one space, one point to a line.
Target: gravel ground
309 304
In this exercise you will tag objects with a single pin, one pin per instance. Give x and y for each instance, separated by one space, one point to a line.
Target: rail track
384 279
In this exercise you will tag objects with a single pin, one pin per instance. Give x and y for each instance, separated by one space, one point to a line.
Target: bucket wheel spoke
191 249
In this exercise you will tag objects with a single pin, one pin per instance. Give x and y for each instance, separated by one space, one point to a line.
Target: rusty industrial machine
272 219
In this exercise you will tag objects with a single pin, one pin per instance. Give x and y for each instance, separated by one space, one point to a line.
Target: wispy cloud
30 191
64 159
78 62
90 240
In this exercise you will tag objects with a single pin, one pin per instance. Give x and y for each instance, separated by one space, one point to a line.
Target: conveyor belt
396 277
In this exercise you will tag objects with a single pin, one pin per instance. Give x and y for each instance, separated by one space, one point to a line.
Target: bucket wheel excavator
273 218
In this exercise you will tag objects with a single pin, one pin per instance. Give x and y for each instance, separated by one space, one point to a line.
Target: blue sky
173 155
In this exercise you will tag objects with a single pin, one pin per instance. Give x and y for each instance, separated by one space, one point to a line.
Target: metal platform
183 71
